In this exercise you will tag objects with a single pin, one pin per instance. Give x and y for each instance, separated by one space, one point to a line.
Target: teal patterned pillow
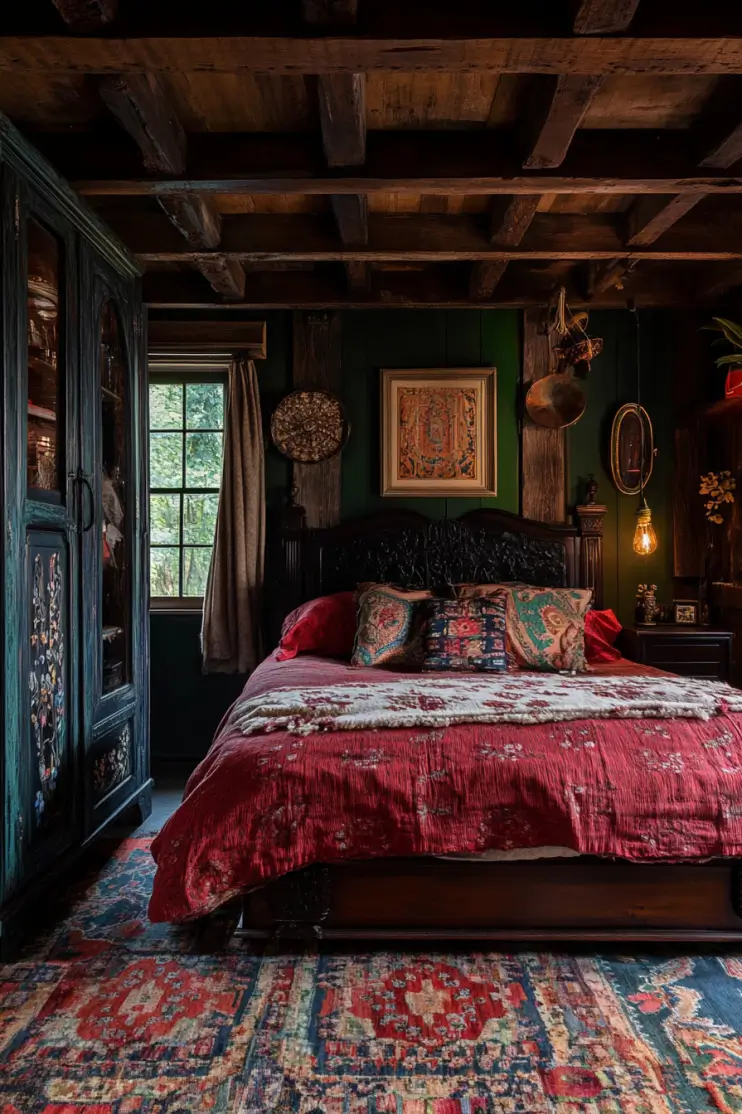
389 628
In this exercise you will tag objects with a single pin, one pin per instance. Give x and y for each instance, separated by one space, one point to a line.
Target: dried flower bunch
719 487
645 590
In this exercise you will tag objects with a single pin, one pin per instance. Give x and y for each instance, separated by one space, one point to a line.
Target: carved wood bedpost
590 516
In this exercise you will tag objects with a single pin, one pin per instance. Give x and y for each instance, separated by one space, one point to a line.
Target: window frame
185 371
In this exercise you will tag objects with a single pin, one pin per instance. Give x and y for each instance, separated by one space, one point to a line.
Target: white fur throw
511 698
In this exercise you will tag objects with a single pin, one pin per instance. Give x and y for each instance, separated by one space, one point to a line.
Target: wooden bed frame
425 898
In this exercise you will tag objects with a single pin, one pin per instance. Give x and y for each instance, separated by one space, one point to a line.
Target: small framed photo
685 612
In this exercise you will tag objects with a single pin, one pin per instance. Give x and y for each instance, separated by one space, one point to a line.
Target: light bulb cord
633 309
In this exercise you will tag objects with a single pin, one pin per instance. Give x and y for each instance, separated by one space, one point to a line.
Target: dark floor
170 779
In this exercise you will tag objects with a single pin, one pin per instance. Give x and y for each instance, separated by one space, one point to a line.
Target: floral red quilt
261 805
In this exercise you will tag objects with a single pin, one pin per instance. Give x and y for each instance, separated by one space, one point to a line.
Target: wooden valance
208 336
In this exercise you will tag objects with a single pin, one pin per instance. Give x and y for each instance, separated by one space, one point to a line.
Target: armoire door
113 588
43 506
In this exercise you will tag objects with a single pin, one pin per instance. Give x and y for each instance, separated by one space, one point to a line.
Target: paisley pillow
466 635
546 627
389 627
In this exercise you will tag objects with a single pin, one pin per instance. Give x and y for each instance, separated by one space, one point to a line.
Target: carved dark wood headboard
403 547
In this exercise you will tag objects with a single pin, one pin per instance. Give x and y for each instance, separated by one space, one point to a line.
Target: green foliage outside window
185 454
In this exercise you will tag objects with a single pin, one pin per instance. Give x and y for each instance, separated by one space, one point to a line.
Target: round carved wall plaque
309 426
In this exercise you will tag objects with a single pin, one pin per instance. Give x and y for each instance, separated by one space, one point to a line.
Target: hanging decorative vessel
557 400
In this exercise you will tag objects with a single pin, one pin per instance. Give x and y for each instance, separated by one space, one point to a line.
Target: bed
586 828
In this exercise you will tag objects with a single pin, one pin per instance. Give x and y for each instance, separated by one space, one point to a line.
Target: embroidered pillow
389 627
602 628
324 626
546 627
466 635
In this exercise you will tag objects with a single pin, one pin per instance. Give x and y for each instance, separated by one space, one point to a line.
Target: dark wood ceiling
396 152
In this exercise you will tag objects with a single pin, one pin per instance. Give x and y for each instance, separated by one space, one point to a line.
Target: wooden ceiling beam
510 219
727 152
650 217
225 274
603 17
485 277
559 107
143 107
441 287
358 275
715 236
351 214
330 13
342 113
196 218
307 54
87 15
446 162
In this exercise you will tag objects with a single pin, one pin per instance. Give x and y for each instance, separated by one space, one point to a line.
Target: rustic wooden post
590 516
317 355
543 470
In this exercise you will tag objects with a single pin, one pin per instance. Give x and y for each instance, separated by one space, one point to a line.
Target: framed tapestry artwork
439 431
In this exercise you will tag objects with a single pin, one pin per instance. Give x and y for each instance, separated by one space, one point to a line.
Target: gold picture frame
439 432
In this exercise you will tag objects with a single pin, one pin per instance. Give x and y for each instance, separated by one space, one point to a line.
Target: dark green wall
187 706
415 339
611 383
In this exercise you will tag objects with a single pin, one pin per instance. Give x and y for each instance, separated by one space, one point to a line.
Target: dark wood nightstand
690 651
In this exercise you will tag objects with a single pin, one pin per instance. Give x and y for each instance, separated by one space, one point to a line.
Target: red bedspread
262 805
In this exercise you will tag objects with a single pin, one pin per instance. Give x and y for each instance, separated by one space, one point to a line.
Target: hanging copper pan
556 401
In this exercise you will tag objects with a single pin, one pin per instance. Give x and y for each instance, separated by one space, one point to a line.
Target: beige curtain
231 635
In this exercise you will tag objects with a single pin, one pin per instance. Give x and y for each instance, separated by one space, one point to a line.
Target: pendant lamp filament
645 537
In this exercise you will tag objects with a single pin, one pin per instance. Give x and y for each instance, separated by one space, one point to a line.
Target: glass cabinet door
115 496
45 440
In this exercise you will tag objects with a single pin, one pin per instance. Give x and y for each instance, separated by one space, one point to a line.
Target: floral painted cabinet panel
50 799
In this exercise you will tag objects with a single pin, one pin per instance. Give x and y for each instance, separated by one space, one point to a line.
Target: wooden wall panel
689 530
317 359
543 467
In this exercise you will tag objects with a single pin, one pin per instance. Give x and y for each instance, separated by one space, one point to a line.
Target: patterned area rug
111 1015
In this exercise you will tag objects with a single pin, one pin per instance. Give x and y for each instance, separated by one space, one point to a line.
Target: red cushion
325 626
602 628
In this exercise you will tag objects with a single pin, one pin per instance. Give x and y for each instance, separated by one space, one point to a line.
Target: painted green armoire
75 749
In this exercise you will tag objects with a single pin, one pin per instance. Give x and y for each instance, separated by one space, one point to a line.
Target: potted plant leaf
732 333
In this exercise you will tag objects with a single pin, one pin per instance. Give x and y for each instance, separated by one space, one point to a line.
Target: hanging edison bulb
645 537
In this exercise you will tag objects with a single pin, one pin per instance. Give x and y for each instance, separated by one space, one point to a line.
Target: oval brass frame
630 408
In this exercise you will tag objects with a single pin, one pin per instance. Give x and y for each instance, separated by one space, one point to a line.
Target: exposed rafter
87 15
385 237
143 107
650 217
196 218
560 105
434 288
484 278
446 162
604 17
510 219
222 53
342 112
351 214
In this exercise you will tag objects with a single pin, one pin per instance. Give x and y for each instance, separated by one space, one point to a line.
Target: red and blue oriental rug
111 1015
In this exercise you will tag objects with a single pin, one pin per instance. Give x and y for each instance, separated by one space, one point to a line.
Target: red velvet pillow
602 628
325 626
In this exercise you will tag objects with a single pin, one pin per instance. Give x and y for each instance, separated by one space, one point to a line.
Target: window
186 434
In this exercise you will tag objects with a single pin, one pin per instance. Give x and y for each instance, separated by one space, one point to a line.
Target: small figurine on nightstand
647 608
